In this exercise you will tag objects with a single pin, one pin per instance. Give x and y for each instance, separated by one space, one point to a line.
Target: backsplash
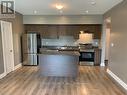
65 41
62 41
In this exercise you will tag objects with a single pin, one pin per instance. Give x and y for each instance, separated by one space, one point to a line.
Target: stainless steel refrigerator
29 49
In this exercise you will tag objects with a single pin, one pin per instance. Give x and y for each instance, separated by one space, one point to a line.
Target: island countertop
59 52
54 52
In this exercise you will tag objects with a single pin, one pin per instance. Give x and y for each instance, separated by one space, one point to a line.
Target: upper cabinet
98 31
95 29
62 30
69 30
54 31
74 31
46 31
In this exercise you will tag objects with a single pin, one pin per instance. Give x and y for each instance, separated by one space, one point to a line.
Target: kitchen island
59 63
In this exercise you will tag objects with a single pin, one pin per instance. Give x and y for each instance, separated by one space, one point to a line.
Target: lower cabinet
97 57
58 65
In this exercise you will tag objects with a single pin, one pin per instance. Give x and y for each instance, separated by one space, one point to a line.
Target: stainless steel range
86 55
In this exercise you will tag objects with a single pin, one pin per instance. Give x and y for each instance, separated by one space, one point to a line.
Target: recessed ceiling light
93 2
59 6
87 11
41 18
35 12
61 11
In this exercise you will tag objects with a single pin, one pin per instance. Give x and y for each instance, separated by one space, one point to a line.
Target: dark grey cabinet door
62 30
69 30
52 32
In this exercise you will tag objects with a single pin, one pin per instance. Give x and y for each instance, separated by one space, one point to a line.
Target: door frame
5 65
103 41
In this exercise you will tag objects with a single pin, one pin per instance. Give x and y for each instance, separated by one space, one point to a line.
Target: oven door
86 56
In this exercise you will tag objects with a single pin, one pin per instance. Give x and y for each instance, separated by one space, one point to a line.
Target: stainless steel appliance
29 48
86 57
87 54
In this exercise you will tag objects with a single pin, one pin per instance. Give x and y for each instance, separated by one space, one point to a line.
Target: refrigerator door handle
29 45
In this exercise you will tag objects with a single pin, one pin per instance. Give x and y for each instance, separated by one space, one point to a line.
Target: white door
7 42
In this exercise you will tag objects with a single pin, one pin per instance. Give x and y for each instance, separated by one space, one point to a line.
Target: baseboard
102 64
18 66
117 79
2 75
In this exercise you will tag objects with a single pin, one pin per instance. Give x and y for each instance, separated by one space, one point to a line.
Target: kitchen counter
57 52
58 63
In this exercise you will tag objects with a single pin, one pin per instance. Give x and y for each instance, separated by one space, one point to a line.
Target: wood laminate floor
28 81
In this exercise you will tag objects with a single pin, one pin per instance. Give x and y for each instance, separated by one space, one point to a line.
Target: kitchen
74 45
59 48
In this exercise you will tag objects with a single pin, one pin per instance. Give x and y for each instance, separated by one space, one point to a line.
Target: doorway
107 40
7 44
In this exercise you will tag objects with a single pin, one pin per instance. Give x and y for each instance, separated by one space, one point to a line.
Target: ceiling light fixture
87 11
61 11
59 6
93 3
35 12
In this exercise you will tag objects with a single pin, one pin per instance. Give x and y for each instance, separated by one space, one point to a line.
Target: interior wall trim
117 79
2 75
102 64
18 66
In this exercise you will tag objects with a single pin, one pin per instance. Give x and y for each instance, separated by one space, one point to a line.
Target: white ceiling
71 7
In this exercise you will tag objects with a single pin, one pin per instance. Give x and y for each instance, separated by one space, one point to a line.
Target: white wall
88 19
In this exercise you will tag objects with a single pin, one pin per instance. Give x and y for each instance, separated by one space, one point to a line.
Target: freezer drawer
30 59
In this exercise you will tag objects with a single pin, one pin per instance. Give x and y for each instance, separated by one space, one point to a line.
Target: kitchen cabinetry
54 31
59 63
94 29
46 31
97 33
76 31
73 30
69 30
62 30
31 28
97 57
